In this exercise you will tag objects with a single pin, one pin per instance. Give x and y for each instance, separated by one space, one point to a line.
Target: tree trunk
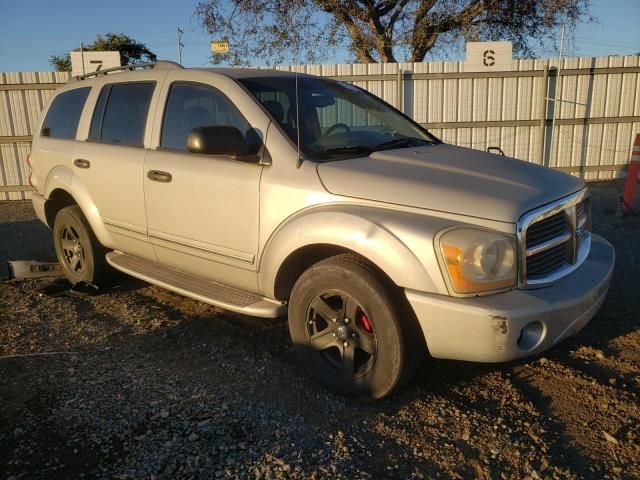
421 45
386 53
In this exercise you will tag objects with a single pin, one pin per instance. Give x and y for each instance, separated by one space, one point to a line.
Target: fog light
531 336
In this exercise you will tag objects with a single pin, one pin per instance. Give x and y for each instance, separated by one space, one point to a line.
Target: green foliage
277 31
61 63
131 51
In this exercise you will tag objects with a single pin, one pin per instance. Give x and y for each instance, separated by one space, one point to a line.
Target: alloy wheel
72 249
341 333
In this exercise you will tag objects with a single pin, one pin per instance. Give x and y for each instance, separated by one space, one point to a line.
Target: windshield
337 120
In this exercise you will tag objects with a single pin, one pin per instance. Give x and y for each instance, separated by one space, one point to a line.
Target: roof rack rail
160 65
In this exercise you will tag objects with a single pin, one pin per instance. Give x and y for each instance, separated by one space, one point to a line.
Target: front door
202 210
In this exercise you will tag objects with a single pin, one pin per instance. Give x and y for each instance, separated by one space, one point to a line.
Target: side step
198 288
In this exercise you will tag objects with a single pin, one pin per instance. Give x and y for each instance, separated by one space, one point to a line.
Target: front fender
399 243
61 177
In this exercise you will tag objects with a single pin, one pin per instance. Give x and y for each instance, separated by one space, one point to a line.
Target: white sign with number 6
489 56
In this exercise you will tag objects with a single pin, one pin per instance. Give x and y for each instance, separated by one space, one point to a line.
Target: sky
33 30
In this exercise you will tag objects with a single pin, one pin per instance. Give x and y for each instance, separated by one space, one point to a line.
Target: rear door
110 163
204 216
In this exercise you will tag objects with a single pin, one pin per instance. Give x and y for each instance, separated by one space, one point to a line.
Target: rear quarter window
64 114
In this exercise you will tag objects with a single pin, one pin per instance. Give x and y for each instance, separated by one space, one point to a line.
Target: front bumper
518 323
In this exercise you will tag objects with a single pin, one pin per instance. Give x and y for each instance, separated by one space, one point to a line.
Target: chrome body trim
192 247
541 247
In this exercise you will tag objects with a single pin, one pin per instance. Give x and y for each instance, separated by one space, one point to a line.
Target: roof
231 72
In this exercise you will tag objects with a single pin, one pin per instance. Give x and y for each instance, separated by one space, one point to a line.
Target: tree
61 63
131 51
378 30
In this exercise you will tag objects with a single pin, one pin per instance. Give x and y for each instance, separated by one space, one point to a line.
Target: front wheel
349 331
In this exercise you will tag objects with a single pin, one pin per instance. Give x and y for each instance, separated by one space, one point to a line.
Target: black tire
382 320
80 254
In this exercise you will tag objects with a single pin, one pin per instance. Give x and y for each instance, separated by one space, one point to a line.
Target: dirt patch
149 384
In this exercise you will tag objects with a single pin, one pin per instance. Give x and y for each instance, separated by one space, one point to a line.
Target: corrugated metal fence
22 97
579 116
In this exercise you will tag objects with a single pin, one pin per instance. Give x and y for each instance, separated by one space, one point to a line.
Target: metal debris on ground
23 269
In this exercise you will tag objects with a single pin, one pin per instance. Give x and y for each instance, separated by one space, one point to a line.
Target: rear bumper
38 202
518 323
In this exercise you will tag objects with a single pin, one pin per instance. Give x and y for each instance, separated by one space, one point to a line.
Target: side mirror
216 140
219 140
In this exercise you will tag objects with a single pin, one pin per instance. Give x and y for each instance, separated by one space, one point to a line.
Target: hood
449 179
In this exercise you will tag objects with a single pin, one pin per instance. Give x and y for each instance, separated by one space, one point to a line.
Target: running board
198 288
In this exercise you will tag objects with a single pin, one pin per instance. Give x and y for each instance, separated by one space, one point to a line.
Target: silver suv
267 193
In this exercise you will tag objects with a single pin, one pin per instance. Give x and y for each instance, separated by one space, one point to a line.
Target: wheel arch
304 257
57 200
328 231
62 190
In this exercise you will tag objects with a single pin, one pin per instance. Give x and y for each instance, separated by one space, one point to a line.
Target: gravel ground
148 384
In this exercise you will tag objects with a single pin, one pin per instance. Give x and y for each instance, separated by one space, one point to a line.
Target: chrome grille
547 229
554 240
583 218
547 248
548 261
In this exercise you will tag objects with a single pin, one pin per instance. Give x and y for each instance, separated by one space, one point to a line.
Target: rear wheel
349 328
81 256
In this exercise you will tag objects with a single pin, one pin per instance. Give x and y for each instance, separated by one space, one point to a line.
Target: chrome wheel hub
342 332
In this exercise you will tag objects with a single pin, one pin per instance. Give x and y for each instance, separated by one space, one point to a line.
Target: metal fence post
552 85
543 112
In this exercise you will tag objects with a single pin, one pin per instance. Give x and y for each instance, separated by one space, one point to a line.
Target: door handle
159 176
82 163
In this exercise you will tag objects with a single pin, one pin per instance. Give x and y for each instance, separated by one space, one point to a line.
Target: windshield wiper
402 142
346 149
363 149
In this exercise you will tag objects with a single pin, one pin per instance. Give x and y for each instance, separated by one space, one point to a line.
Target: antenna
180 45
299 161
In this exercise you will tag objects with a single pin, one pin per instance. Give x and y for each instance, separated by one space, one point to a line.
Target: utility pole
180 45
555 96
82 57
561 41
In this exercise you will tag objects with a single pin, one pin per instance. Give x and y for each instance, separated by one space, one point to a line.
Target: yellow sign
220 47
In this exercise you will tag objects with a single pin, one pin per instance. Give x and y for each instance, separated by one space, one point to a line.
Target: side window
64 114
190 106
121 113
277 103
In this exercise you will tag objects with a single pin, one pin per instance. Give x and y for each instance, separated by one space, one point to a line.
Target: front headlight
478 260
